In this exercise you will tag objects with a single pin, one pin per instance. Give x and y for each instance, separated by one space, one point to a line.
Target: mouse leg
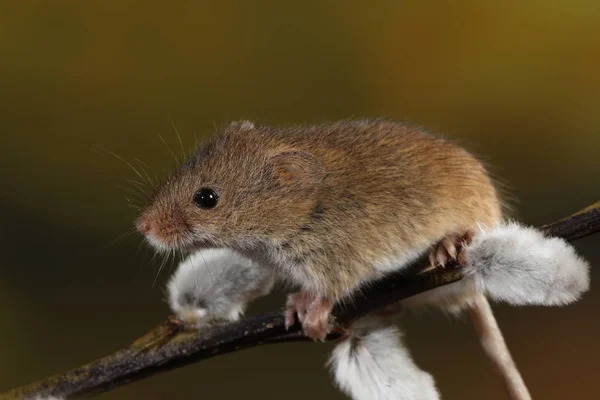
448 249
313 313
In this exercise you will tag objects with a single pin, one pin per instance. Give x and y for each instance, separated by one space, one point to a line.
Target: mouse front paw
313 313
448 249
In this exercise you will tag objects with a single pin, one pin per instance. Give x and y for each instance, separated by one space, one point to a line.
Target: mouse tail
494 346
372 363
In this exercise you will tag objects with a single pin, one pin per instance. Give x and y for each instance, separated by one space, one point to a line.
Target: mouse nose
143 225
164 227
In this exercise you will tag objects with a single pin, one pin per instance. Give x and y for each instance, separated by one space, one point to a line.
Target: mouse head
247 186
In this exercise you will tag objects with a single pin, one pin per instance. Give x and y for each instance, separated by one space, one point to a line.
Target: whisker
145 260
169 148
131 194
143 167
178 137
137 160
133 200
211 281
139 248
121 159
134 192
174 259
118 239
154 253
162 264
137 184
194 268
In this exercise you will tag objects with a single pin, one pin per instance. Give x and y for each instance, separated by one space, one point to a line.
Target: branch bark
170 345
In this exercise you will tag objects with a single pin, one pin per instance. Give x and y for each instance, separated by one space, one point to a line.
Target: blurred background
516 82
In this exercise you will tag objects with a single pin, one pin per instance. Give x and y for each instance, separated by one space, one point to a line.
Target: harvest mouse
331 207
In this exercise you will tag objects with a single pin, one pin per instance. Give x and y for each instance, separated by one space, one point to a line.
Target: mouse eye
206 198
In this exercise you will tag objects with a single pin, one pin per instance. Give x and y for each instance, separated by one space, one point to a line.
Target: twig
170 345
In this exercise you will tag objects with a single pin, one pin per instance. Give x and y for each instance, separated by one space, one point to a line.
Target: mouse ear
297 167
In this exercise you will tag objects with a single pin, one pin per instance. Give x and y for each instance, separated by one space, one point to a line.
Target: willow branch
171 345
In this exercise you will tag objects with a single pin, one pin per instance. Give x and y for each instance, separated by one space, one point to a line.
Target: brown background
517 83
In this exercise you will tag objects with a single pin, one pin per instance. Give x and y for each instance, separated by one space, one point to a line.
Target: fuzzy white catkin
520 266
374 364
216 283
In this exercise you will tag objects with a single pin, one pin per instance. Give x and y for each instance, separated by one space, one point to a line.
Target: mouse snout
164 228
143 226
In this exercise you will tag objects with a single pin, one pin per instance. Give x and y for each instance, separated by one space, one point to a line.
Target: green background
516 82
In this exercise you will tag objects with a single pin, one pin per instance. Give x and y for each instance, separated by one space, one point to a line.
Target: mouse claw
447 249
296 304
449 246
464 241
432 258
290 318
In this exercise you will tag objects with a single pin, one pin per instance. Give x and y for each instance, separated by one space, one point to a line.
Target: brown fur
327 204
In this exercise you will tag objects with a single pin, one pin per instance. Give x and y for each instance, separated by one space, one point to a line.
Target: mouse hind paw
313 313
